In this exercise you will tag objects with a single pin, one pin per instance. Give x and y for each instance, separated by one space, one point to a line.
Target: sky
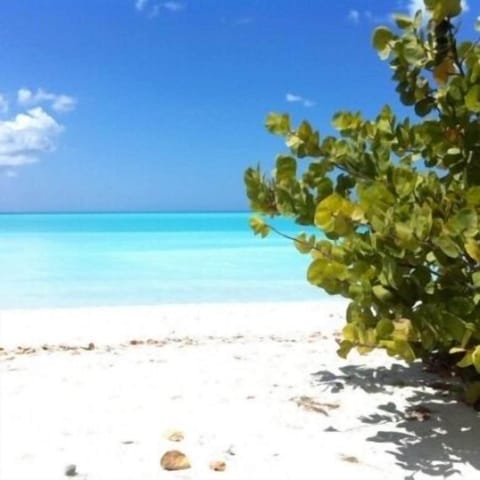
152 105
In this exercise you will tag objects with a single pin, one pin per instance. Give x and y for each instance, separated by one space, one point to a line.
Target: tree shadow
436 446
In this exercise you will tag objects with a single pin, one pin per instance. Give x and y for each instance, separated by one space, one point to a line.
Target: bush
397 201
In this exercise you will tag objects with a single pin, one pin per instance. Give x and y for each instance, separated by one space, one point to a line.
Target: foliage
397 201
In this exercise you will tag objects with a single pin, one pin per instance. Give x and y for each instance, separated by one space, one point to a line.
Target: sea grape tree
397 200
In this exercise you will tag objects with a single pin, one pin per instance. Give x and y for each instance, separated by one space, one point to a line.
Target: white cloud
292 98
173 6
26 136
354 16
3 104
24 96
140 4
357 16
63 103
152 9
58 102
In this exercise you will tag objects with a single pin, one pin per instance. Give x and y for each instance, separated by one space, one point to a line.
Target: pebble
218 466
71 470
174 460
175 436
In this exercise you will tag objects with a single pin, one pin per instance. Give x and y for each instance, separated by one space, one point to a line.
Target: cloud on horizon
58 102
26 136
292 98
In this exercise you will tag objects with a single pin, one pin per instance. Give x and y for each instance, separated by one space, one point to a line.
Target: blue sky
148 105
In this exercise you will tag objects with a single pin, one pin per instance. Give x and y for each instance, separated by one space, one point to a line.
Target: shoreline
116 323
257 386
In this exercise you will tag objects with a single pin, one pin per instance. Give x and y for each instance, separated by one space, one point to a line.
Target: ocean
77 260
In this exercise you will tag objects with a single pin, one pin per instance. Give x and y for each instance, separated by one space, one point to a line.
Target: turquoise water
72 260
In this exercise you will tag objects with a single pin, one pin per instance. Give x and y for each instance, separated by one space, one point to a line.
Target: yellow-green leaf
476 358
259 226
466 361
278 123
472 99
473 249
381 39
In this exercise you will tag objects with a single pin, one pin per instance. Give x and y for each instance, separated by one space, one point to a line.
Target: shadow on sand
434 447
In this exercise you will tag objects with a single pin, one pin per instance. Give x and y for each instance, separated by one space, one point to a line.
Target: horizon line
109 212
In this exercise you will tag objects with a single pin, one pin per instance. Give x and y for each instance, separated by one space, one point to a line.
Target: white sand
229 377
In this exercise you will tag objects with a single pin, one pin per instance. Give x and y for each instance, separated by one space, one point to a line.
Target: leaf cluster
396 201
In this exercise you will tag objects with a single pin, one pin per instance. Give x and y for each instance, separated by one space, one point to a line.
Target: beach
257 387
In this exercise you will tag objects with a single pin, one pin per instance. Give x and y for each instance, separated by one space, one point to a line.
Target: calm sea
72 260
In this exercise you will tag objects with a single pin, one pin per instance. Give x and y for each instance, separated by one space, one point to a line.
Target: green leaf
451 8
305 244
472 196
414 53
344 349
305 131
466 361
322 270
476 358
382 36
403 235
476 279
278 123
294 142
404 180
259 226
316 271
384 328
472 247
472 99
423 221
424 106
336 214
465 221
404 350
286 170
443 8
382 293
452 324
402 21
461 307
346 121
447 246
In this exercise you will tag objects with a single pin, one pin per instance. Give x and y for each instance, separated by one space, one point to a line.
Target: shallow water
72 260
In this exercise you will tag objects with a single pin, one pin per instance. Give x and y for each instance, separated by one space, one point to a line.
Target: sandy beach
256 386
